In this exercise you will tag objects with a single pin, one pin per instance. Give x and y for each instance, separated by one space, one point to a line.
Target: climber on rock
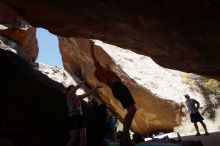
120 91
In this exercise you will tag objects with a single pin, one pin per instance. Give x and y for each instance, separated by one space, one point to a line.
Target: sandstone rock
182 35
7 44
18 30
153 114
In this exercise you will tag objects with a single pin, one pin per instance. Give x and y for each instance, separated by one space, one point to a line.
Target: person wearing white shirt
193 106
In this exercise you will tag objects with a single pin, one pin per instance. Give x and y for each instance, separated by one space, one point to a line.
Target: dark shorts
196 117
76 122
121 92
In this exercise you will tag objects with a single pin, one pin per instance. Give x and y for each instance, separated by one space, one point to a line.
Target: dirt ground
211 140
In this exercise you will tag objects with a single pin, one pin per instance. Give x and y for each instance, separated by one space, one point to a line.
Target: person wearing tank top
76 121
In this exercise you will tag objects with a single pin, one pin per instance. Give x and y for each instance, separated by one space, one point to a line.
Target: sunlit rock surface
171 84
18 30
153 114
181 34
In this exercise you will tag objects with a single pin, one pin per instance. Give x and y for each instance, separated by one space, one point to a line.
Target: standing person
101 112
76 121
193 109
110 128
120 91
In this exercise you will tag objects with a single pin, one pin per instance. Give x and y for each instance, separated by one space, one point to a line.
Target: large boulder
181 34
153 113
18 30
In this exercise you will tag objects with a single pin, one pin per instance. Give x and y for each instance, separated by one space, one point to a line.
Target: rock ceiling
182 35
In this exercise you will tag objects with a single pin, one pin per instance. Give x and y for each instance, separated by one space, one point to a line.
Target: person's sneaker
206 134
197 134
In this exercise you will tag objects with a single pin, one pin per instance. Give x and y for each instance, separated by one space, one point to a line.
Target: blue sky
48 48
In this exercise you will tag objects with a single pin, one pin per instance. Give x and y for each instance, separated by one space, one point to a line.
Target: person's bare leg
205 128
127 124
197 129
73 138
82 137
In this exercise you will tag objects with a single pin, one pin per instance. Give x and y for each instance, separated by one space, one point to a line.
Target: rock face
170 84
18 30
181 34
30 101
33 110
153 114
